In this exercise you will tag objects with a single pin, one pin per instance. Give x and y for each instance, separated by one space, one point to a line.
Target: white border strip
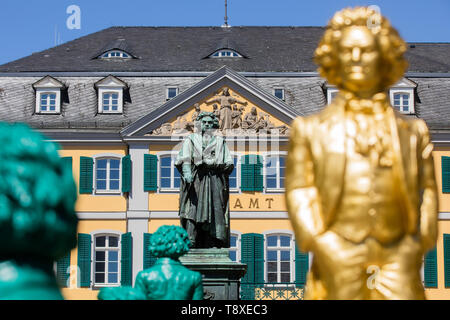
102 215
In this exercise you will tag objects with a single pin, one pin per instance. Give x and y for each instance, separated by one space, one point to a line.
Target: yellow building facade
257 216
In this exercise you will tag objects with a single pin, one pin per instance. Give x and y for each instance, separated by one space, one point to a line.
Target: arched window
106 255
401 101
115 54
279 258
169 177
225 53
107 174
274 167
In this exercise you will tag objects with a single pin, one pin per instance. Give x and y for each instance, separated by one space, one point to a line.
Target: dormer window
115 54
402 96
48 95
110 95
226 54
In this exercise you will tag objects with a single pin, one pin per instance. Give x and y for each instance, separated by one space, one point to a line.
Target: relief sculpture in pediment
236 118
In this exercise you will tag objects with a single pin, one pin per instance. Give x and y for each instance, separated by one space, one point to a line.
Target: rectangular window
279 93
233 177
106 260
233 251
275 172
107 175
170 178
278 264
110 102
48 102
171 92
401 101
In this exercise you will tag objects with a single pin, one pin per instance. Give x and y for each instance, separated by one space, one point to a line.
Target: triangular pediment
110 81
48 82
405 83
245 110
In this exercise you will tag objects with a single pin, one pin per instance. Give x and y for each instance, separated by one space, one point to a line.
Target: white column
137 212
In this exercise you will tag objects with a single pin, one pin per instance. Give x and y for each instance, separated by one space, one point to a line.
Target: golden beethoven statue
360 186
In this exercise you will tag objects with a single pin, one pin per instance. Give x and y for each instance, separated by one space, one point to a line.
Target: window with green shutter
150 172
63 270
67 161
126 262
84 259
430 269
301 267
252 254
252 173
86 175
126 174
149 260
447 260
445 166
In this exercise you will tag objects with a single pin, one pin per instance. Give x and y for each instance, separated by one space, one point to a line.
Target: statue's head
361 52
197 107
253 110
37 197
169 242
207 120
225 91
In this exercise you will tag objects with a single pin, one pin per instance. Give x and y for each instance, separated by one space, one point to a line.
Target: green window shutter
125 262
84 259
447 260
86 175
63 270
445 166
259 179
150 172
67 161
149 260
301 267
252 254
430 269
126 174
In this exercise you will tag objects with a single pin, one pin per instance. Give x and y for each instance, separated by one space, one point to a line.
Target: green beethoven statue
37 214
205 163
167 279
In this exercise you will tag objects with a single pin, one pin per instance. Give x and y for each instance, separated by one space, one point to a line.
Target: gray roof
160 49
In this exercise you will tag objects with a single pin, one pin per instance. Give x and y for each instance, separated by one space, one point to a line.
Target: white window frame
278 248
42 91
109 55
172 176
223 53
110 90
409 92
237 234
282 93
238 172
99 233
167 92
107 156
330 92
266 155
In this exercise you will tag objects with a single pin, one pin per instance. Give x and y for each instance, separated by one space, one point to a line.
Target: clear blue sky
28 26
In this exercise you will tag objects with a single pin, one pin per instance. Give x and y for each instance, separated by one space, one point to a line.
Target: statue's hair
203 114
37 197
169 242
391 45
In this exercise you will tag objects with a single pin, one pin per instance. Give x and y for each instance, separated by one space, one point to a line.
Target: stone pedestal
220 275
